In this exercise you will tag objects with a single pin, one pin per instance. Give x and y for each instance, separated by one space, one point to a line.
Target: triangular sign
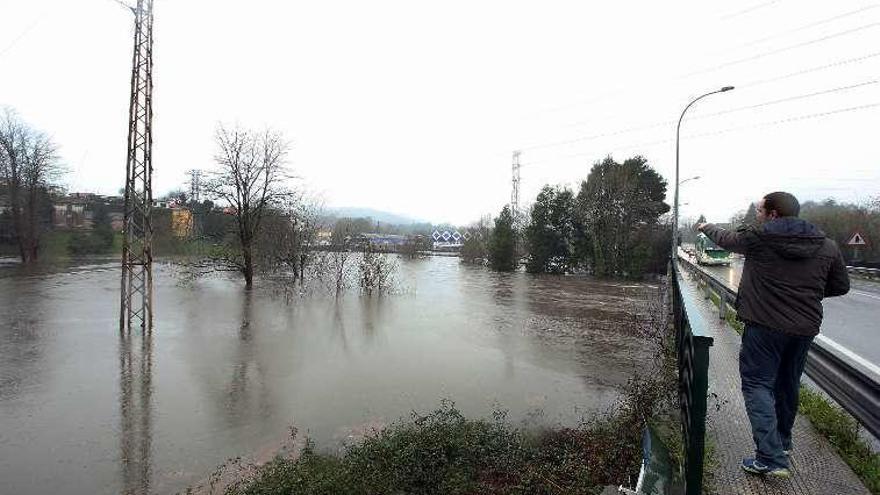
856 240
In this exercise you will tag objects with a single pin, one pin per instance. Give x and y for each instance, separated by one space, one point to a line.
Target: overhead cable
785 76
748 10
787 120
799 28
782 50
809 71
698 116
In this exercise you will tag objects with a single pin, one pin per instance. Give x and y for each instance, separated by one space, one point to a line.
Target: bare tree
288 236
306 215
375 271
28 165
251 180
338 267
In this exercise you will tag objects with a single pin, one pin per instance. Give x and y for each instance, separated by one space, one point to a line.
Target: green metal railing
692 344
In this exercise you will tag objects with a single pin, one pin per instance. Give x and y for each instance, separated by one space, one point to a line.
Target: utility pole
136 307
514 193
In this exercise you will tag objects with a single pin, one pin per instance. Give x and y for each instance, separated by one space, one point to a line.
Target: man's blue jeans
770 364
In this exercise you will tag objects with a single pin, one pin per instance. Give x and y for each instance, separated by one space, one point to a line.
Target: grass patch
729 316
843 432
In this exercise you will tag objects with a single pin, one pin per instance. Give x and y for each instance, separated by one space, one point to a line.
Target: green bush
445 453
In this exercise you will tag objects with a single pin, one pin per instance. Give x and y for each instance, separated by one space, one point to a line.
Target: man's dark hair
785 204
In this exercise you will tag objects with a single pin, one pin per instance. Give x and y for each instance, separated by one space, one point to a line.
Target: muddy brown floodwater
226 373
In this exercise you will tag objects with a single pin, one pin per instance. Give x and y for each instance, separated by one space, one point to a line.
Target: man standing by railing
790 266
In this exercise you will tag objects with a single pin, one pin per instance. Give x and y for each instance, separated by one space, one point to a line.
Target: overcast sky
415 107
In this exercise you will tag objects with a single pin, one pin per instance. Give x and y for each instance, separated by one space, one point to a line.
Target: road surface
852 320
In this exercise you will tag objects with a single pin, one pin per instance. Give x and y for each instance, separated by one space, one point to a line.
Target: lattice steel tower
137 255
195 185
514 193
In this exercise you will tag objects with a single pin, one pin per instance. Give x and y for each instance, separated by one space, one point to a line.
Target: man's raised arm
728 239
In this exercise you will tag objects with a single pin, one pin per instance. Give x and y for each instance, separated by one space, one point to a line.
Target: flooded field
227 372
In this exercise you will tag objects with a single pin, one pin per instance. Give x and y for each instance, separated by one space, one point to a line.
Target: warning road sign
857 239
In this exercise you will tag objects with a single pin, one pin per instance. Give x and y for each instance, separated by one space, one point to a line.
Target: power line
788 99
739 61
24 33
748 10
797 118
797 29
782 77
788 120
809 71
714 114
781 50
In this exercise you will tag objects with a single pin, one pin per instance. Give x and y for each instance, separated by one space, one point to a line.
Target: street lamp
689 178
677 182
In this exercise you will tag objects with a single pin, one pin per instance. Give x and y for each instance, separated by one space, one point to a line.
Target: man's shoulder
830 247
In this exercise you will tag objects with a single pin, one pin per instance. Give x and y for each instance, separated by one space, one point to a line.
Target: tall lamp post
677 183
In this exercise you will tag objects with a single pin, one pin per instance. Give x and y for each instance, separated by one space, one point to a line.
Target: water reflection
22 345
372 316
247 370
339 326
136 408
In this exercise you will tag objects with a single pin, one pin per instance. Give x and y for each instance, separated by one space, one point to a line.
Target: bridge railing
692 344
851 381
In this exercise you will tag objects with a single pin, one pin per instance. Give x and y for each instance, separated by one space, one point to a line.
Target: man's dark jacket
790 266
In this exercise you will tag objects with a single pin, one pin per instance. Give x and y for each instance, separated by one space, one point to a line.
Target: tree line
613 227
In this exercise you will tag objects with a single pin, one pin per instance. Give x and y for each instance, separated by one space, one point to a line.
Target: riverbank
444 452
447 452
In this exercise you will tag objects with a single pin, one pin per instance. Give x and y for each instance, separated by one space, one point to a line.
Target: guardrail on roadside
692 344
872 273
851 381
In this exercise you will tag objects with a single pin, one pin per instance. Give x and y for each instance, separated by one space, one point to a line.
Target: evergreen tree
618 205
549 233
751 215
502 243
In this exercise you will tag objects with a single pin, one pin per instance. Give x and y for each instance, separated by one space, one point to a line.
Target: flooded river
227 372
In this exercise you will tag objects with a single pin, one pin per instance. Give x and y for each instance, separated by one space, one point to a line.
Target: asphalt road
853 320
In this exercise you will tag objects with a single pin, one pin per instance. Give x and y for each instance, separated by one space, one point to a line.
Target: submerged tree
289 231
28 166
475 248
375 271
549 233
251 180
502 243
619 205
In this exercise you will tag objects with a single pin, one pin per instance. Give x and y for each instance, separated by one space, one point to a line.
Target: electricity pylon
137 255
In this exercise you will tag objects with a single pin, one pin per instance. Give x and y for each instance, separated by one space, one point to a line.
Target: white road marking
852 356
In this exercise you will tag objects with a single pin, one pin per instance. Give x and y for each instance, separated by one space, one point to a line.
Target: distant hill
377 215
